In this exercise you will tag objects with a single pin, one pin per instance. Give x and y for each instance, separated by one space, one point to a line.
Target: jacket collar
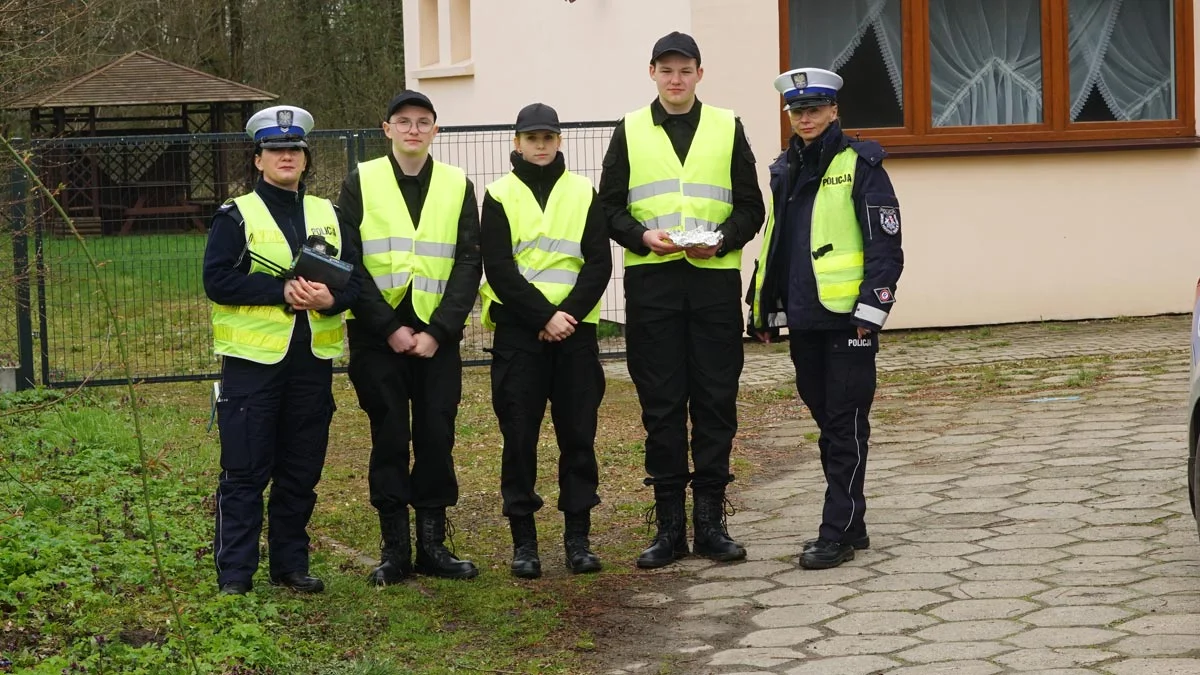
659 114
277 196
531 174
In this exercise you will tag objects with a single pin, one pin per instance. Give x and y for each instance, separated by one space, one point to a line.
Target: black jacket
789 284
227 278
748 212
374 319
522 302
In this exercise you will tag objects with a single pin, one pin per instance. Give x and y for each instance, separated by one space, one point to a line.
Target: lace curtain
1126 50
986 55
826 34
985 62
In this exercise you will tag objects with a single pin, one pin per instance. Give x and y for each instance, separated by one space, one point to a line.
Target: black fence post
351 155
21 268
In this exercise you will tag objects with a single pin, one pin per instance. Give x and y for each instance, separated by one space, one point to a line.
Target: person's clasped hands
404 340
560 327
303 295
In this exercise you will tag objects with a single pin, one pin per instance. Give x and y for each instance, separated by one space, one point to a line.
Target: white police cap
281 126
808 87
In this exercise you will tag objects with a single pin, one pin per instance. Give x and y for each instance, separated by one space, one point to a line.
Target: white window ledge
464 69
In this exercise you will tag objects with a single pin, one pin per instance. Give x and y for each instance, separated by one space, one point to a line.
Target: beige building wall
988 239
588 59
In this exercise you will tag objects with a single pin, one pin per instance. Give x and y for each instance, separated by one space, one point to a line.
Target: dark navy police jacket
789 284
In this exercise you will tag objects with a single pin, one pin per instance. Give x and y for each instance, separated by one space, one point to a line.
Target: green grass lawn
76 572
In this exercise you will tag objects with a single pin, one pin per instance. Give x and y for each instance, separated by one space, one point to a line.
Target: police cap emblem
284 119
800 80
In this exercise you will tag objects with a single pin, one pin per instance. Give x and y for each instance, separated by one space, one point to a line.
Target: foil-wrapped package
695 238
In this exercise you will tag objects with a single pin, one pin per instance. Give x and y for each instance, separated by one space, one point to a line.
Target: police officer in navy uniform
277 338
828 270
679 165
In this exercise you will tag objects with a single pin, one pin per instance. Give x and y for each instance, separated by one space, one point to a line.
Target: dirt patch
139 637
15 638
618 625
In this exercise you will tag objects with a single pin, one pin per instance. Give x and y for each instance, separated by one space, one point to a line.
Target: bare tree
341 59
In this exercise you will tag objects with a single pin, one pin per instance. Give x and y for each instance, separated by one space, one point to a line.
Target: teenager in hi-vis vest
416 221
547 262
277 340
679 169
828 270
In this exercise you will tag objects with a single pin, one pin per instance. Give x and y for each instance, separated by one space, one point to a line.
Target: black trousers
274 428
387 385
683 337
835 376
568 375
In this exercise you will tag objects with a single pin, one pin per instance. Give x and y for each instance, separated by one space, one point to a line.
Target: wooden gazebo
123 141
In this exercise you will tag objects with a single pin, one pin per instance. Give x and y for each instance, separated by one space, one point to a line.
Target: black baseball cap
410 97
538 117
680 43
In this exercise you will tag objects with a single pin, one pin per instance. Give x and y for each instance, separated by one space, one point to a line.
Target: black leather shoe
860 544
525 562
299 582
826 554
235 588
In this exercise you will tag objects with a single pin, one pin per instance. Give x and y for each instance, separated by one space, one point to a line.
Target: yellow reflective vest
262 333
697 194
835 246
547 246
836 239
403 258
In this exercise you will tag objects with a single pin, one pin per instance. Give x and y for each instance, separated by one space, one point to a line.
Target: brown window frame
1056 132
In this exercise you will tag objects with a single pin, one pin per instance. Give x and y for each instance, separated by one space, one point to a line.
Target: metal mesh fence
144 204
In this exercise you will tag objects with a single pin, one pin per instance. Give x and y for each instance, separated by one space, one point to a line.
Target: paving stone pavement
1026 534
907 350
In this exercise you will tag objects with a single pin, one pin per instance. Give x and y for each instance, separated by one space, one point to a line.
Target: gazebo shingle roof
138 78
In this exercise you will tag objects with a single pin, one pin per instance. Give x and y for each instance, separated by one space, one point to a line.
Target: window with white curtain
985 62
974 72
1122 60
861 41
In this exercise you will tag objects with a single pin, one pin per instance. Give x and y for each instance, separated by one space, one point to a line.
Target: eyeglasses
403 125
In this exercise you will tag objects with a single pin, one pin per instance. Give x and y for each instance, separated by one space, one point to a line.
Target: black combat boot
580 558
395 562
708 518
525 562
670 542
433 558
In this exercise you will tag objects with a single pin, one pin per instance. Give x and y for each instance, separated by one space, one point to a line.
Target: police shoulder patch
885 296
889 219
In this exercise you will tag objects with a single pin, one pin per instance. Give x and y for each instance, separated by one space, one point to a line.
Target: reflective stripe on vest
403 258
776 317
695 195
547 246
837 245
262 333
